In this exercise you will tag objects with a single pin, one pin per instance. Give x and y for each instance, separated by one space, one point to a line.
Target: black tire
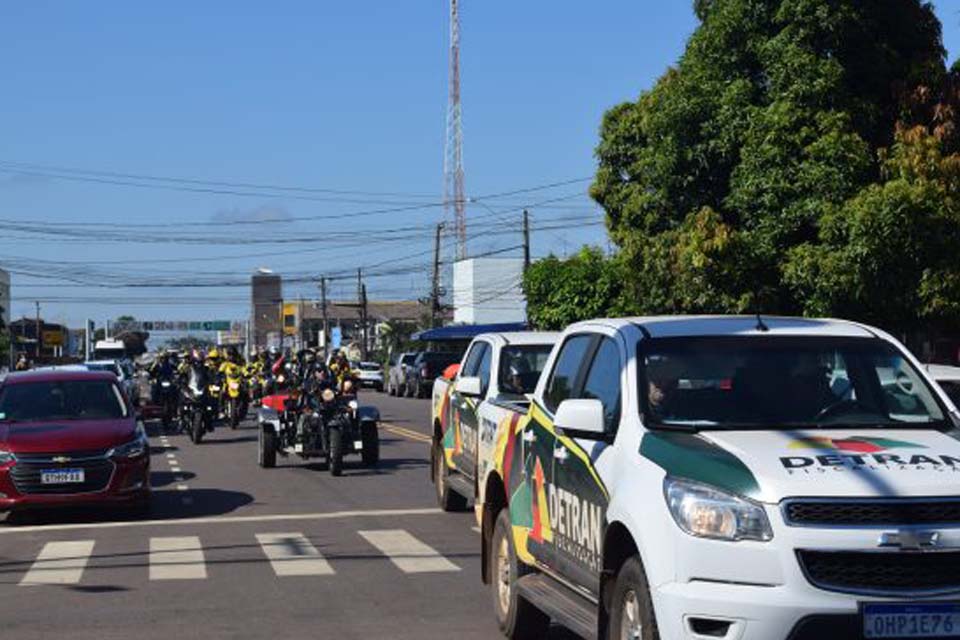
268 448
631 591
407 390
371 444
518 619
233 413
197 429
447 498
335 456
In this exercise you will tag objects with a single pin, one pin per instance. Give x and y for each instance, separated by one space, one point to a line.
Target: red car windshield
61 400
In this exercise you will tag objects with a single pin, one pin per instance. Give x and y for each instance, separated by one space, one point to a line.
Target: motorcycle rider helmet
213 354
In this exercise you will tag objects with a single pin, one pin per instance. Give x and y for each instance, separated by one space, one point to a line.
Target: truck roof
692 326
522 337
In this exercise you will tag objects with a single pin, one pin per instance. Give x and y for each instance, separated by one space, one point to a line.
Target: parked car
370 375
428 366
124 372
69 438
397 373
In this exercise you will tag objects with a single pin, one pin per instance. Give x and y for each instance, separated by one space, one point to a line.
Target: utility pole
435 286
363 320
526 240
323 311
39 332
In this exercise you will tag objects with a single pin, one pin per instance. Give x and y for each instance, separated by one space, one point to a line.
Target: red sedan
70 438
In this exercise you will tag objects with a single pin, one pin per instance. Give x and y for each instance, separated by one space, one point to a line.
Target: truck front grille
894 512
892 573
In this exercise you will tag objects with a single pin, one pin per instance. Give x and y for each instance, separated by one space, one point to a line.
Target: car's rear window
61 400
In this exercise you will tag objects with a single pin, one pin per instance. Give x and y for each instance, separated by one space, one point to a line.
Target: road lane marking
406 433
182 487
175 469
409 554
59 563
290 517
291 554
178 558
171 456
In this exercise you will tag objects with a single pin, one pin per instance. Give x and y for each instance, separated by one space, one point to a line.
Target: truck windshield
61 400
520 367
782 382
952 387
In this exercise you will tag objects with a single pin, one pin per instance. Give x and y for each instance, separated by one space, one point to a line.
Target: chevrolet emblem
910 540
61 459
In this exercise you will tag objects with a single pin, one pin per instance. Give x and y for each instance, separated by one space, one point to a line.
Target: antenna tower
453 191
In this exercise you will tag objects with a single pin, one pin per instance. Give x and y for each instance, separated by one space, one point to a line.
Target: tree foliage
729 184
586 285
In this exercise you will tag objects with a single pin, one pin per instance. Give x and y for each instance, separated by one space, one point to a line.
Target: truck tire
447 498
371 444
631 614
518 619
268 448
336 452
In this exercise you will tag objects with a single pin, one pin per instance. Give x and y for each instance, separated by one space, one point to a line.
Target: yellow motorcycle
232 393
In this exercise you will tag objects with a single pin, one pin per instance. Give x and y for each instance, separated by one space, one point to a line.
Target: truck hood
68 435
773 465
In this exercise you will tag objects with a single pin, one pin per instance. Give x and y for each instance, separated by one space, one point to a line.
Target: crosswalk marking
291 554
59 563
409 554
179 558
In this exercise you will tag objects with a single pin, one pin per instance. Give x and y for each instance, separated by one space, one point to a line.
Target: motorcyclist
23 364
341 370
163 368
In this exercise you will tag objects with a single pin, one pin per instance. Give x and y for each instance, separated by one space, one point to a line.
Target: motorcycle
233 398
199 409
318 424
167 395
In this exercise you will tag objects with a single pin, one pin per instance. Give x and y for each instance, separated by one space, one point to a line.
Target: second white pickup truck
495 376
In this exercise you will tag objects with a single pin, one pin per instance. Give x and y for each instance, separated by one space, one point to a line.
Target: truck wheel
336 452
631 614
518 619
447 498
268 448
371 444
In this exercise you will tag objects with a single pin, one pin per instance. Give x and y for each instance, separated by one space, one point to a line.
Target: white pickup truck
497 371
740 478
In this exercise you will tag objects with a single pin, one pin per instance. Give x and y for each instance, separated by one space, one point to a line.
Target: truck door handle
560 454
529 436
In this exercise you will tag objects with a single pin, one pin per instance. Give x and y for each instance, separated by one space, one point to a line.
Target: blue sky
338 95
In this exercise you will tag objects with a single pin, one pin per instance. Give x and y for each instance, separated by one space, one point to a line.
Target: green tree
773 117
583 286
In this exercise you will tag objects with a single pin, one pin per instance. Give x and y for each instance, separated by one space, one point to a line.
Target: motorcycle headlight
354 405
6 457
215 388
280 379
234 386
165 383
133 449
708 512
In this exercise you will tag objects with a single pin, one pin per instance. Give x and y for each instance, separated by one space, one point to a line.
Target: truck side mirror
470 387
581 418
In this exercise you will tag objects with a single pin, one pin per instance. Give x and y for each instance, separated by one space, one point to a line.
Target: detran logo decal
864 453
856 444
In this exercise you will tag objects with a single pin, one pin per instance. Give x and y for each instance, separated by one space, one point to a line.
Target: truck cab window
563 379
483 370
603 382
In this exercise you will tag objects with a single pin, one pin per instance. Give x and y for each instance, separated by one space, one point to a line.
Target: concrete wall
488 290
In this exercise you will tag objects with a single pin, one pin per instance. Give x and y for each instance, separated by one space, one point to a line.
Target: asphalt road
234 551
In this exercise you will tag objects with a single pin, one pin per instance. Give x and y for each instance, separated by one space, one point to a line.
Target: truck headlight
708 512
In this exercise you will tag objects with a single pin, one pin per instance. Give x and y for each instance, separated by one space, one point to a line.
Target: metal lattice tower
453 192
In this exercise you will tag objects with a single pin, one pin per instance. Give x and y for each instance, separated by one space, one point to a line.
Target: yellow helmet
213 354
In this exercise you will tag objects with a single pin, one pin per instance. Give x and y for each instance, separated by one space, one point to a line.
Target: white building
488 291
5 296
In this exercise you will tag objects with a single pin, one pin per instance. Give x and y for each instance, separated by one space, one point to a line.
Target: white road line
171 456
178 558
182 487
286 517
291 554
59 563
409 554
175 469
